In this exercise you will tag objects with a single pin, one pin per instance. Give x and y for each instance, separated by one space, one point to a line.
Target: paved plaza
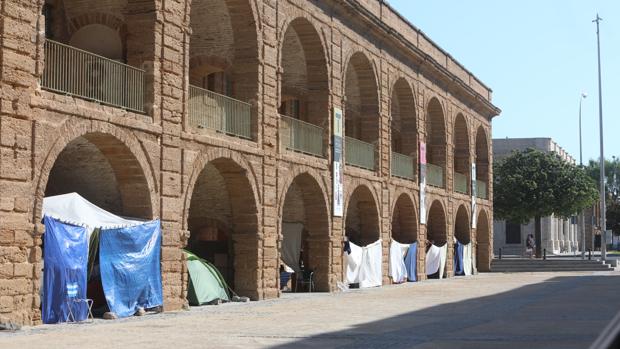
524 310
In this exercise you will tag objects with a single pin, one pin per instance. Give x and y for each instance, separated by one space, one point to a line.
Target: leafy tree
612 189
532 184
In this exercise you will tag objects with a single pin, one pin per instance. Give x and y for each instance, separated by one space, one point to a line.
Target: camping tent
129 257
206 284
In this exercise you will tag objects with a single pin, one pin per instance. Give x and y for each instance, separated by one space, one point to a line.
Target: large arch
482 157
362 217
404 220
483 242
462 166
305 220
404 126
222 218
462 231
304 88
436 226
361 99
224 48
436 141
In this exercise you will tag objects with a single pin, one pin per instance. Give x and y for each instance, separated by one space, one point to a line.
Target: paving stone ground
523 310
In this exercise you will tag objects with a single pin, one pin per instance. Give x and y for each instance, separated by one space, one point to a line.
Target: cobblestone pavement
526 310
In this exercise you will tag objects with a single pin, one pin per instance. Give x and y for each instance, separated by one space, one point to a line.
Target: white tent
74 209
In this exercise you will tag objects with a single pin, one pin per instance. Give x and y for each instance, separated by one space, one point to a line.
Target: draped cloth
443 253
458 258
433 260
364 265
398 269
411 262
467 259
291 244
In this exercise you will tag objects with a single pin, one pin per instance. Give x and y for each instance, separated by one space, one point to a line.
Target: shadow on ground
562 312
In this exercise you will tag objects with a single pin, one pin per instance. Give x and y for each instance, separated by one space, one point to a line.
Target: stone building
217 116
558 234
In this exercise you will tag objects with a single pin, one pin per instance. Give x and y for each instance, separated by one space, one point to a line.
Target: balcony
69 70
434 175
402 166
301 136
481 189
460 183
210 110
359 153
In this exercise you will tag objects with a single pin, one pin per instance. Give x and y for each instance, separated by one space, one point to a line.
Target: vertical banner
474 194
422 183
338 182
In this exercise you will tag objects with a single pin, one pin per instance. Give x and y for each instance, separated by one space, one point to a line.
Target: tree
612 189
532 184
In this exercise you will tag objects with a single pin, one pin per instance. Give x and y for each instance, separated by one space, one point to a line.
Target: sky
537 56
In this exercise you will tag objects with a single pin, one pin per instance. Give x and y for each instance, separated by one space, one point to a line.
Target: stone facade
151 159
559 235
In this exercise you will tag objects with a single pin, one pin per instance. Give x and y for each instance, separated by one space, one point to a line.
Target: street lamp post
603 222
583 218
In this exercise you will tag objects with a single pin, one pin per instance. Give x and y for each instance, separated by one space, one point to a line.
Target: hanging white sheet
398 270
467 259
443 253
364 265
433 260
291 244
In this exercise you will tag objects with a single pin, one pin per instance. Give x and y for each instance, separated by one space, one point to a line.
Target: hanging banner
338 180
474 194
422 183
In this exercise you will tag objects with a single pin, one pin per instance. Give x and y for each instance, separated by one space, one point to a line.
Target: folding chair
306 277
74 303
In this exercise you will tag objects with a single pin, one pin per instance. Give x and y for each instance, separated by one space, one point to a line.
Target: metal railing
402 166
460 183
434 175
481 189
76 72
359 153
301 136
208 109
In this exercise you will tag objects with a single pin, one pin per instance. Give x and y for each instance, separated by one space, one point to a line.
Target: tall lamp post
583 218
603 222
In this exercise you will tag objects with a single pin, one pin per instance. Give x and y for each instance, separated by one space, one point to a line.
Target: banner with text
422 183
338 181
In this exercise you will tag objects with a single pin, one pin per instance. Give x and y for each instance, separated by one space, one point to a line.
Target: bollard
544 254
500 253
589 254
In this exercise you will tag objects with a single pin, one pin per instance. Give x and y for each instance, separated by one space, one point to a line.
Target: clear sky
537 56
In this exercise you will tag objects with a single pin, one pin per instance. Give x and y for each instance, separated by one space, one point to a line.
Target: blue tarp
458 259
130 268
64 276
411 262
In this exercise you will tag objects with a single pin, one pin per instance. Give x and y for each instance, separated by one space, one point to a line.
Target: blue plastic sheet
411 262
65 256
458 259
129 261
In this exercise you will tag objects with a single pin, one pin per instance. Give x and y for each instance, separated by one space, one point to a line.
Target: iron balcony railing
481 189
76 72
434 175
211 110
460 183
301 136
359 153
402 166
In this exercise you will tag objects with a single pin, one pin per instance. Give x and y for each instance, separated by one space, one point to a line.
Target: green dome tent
206 284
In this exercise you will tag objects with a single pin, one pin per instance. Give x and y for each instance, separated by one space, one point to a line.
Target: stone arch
304 210
224 48
404 220
304 86
482 156
436 224
361 99
221 214
483 242
462 231
461 155
404 126
362 224
436 136
127 160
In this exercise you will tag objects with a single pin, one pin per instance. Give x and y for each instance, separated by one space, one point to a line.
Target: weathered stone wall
149 164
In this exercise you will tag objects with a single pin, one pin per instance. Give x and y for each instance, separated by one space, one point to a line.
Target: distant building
558 235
